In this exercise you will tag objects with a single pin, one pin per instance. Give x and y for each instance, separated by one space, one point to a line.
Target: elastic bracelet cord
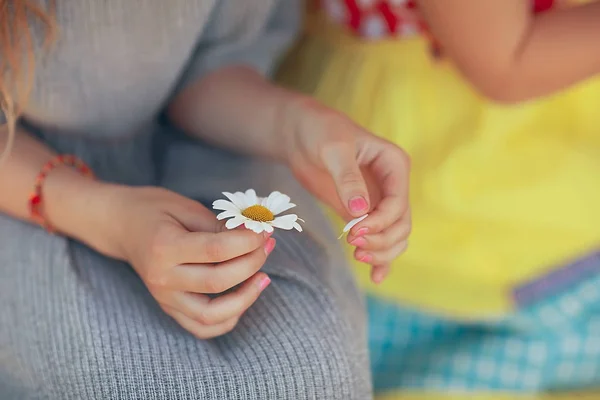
36 200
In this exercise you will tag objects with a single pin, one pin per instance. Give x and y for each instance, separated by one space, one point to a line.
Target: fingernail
358 204
361 232
269 246
264 282
366 258
359 242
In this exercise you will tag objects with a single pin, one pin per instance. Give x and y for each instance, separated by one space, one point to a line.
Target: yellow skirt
501 195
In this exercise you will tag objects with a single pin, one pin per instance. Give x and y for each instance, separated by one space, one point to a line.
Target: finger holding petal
352 224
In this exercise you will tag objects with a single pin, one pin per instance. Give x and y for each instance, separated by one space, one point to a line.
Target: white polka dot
570 306
594 326
407 30
571 346
336 10
537 353
592 345
588 371
366 3
509 375
551 316
462 363
531 379
373 27
458 387
486 369
433 382
589 292
566 371
514 348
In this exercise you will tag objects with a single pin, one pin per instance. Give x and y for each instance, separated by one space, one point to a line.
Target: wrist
83 209
292 116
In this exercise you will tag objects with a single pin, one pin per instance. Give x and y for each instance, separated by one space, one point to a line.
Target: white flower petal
285 222
254 226
267 227
282 208
251 197
224 205
351 224
234 222
277 201
297 226
228 214
238 199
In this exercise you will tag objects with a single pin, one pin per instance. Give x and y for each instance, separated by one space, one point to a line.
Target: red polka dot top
384 18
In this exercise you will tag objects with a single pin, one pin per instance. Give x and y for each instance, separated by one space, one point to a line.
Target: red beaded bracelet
36 199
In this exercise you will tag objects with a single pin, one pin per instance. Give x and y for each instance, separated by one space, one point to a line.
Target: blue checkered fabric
551 345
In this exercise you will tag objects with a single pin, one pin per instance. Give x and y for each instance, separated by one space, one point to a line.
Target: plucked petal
298 227
352 223
225 205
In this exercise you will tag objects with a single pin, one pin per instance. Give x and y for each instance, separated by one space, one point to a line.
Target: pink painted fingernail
264 282
359 242
269 246
366 258
361 232
358 204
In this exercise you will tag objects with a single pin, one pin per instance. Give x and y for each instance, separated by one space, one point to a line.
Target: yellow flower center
258 213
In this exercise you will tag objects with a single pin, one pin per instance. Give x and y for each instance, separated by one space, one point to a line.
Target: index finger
209 247
391 169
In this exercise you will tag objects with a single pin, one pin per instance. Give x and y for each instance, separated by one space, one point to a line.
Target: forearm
238 109
73 204
560 49
511 55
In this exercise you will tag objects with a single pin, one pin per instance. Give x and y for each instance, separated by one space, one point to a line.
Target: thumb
341 163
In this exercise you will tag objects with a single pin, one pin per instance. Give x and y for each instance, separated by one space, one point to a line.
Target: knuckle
214 285
230 325
156 278
351 177
203 316
214 249
203 334
407 230
160 244
404 158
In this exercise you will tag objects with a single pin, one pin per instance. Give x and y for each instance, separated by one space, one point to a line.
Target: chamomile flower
257 213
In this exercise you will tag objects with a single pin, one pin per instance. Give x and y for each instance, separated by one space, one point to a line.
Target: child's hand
182 253
356 173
